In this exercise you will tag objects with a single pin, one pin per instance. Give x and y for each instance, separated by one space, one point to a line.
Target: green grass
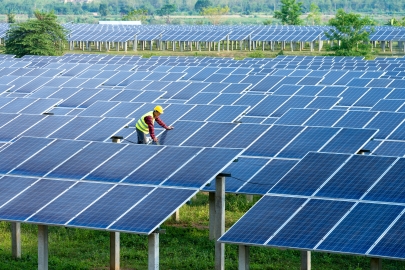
184 246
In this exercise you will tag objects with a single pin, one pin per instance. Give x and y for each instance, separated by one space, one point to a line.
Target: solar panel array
57 115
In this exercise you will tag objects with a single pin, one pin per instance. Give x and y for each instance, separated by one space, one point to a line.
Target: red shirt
149 121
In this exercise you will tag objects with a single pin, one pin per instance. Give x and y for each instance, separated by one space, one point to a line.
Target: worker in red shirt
146 122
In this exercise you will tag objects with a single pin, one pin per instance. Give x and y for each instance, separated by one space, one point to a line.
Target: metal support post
153 255
42 247
114 250
305 260
176 215
376 264
211 204
219 221
243 257
16 240
383 46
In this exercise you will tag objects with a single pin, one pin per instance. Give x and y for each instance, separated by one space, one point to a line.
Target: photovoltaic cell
75 127
85 161
49 158
111 206
392 244
263 220
311 223
11 186
20 151
122 164
273 141
355 119
227 113
295 116
32 199
163 165
311 139
361 228
268 106
72 202
390 148
265 179
349 140
193 175
209 134
356 177
200 112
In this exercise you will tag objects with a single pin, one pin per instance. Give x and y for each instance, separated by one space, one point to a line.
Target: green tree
351 31
200 4
40 36
214 14
139 14
267 22
166 10
10 17
103 10
396 22
290 12
314 15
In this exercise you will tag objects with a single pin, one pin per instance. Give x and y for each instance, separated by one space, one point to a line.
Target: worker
145 125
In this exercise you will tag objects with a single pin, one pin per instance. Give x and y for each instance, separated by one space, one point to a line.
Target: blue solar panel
70 203
40 106
182 130
266 178
268 105
20 151
388 105
17 105
295 116
47 125
356 177
18 126
349 140
311 90
200 112
163 165
48 158
398 134
323 103
202 98
75 127
250 100
267 83
11 186
123 109
332 91
356 119
311 139
293 102
263 220
311 223
162 202
391 186
99 108
227 113
104 129
390 148
287 89
123 163
351 95
238 139
325 118
85 161
386 122
209 134
32 199
273 141
111 206
397 94
225 99
194 175
309 174
372 97
392 244
241 171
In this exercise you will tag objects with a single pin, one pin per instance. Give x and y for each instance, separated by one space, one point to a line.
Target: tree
200 4
139 14
314 15
396 22
214 14
10 17
40 36
290 12
103 10
351 31
166 10
267 22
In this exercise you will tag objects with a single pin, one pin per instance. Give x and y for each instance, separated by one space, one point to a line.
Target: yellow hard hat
159 109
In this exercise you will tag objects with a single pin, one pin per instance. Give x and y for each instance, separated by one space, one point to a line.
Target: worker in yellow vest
146 122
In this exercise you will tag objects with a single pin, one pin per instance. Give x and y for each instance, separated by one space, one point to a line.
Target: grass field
184 246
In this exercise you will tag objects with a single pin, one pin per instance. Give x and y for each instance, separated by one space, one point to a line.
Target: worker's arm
149 122
162 124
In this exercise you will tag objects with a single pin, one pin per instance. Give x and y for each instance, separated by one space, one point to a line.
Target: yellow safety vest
141 124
